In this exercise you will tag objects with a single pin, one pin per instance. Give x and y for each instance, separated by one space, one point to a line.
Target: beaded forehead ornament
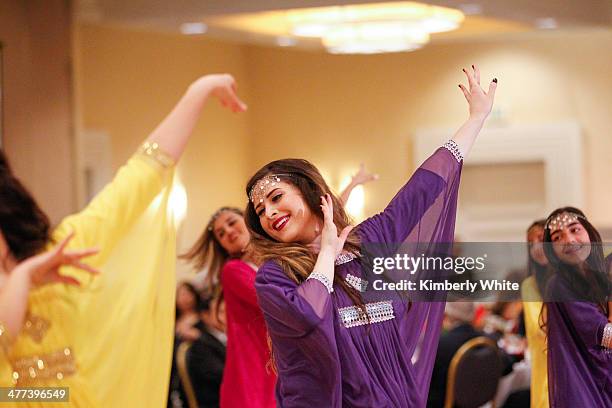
562 220
263 187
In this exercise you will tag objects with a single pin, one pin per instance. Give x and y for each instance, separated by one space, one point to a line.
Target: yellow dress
109 341
536 341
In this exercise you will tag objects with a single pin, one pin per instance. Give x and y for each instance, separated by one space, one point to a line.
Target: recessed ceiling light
193 28
286 41
471 9
547 23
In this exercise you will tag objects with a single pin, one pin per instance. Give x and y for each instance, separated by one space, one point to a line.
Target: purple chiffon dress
326 353
579 368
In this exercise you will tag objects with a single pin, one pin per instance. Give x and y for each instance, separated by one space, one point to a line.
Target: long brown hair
208 253
595 283
24 225
297 260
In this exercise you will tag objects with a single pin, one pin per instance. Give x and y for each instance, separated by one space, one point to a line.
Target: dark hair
205 303
25 227
297 260
594 284
540 272
195 294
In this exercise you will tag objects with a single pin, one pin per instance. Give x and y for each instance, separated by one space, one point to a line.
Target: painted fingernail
463 69
495 80
473 66
459 86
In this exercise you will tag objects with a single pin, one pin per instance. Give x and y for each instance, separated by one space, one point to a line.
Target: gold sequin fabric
36 327
56 366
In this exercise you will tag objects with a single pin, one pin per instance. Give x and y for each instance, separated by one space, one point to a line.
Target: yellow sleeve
536 341
111 214
5 368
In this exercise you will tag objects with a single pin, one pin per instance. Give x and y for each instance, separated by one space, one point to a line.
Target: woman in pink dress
221 249
248 378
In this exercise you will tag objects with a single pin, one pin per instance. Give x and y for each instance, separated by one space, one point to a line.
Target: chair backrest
473 374
181 365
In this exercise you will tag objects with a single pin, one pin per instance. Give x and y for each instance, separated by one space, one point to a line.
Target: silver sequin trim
606 340
452 147
357 283
378 312
323 279
344 258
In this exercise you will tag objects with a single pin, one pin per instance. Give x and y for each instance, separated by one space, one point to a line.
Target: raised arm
361 177
172 134
424 208
115 209
480 105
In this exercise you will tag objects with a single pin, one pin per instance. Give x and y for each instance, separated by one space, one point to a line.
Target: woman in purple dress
578 325
334 342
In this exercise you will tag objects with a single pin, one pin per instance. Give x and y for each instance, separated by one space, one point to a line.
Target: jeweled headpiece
213 218
263 186
562 220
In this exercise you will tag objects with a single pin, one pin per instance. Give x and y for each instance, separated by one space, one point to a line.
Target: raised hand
480 101
329 236
363 176
224 88
44 268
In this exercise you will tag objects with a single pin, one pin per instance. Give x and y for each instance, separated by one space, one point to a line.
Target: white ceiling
568 12
497 15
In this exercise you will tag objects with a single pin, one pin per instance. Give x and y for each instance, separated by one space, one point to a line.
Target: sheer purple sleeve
291 310
420 219
424 208
586 318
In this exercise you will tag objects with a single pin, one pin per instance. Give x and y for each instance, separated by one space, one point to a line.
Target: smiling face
570 240
285 216
231 232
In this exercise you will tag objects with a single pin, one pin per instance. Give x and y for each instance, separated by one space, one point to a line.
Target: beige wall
129 80
337 110
37 110
340 110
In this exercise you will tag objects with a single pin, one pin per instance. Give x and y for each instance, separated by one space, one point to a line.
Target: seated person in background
188 327
203 334
188 324
206 357
457 329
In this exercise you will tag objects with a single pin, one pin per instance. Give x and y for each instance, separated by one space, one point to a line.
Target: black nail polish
495 80
463 69
473 66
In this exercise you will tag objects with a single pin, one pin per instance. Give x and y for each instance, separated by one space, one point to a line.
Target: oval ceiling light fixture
374 28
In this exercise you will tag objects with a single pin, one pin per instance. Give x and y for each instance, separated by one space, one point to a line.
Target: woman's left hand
329 236
480 102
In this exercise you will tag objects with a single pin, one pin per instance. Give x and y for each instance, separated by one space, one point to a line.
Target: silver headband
263 186
213 218
562 220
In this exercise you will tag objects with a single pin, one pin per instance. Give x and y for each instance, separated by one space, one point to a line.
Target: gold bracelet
5 339
152 150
